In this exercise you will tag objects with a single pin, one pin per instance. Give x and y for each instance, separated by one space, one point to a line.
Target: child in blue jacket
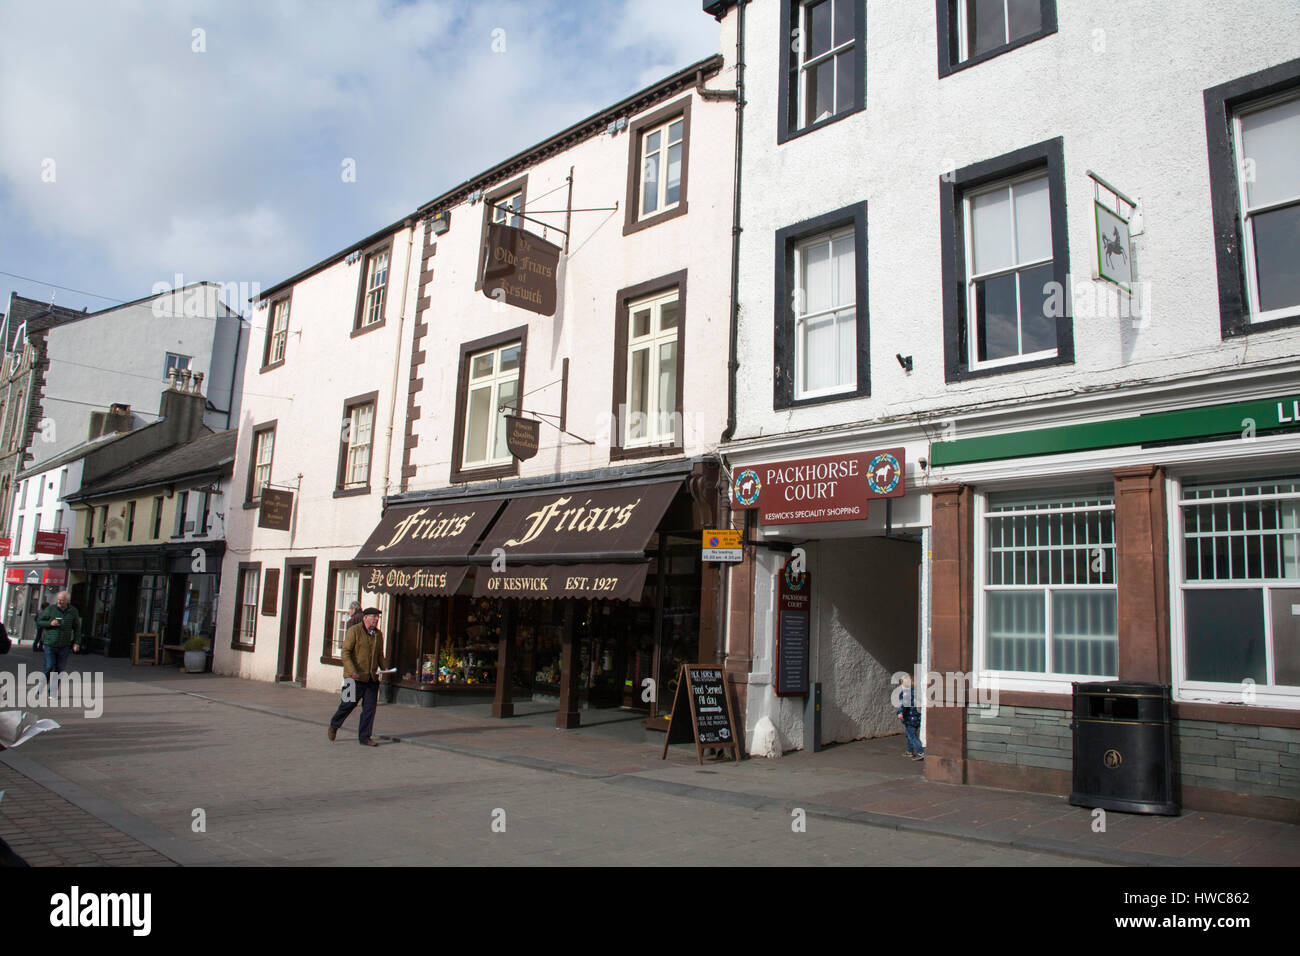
910 715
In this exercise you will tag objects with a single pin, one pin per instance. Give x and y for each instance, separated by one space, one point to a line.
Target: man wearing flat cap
363 658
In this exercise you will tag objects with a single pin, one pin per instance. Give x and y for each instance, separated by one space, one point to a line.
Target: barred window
1050 602
1241 582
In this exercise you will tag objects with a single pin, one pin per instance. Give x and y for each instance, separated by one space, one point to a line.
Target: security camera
904 360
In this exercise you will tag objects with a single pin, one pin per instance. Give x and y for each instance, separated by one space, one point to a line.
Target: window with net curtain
493 394
1240 587
1050 601
1268 144
825 310
347 588
651 401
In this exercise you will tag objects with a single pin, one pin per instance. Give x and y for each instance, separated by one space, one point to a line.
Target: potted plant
196 654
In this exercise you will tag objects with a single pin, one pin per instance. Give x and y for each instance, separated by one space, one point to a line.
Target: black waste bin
1123 747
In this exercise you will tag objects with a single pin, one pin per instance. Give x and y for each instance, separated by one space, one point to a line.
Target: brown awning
427 533
577 522
418 579
613 582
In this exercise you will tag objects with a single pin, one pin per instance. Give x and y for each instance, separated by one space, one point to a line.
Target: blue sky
141 140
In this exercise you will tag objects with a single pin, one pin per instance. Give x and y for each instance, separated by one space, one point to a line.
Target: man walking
61 627
363 657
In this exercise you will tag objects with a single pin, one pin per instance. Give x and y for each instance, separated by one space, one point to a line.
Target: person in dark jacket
363 658
62 632
354 616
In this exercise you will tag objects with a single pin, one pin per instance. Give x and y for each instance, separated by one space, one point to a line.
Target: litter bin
1123 747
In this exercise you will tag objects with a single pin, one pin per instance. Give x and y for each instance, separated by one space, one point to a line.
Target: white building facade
1098 475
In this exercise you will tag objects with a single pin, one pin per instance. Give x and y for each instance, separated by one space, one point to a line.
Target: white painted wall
324 365
119 356
1132 110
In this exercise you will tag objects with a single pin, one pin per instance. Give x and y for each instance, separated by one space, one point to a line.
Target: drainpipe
234 369
397 358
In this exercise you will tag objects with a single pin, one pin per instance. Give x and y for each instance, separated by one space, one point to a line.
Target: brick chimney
118 418
183 405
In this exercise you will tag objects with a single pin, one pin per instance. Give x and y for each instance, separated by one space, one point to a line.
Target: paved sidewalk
864 783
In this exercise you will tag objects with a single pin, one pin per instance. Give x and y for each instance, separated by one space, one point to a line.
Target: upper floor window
506 209
259 473
1268 143
651 371
182 514
355 444
374 286
822 62
277 332
178 362
157 517
821 309
1005 306
658 157
661 167
130 520
22 495
1008 273
501 206
971 31
492 393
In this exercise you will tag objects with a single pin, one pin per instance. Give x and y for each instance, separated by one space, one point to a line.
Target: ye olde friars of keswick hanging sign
829 488
520 269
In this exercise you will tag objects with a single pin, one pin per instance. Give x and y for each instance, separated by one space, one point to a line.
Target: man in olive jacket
363 657
61 625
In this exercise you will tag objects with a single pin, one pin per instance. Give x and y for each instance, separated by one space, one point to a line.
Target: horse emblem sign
747 488
883 474
1113 262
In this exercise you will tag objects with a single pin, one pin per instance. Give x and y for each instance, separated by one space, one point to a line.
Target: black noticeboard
793 608
145 650
702 696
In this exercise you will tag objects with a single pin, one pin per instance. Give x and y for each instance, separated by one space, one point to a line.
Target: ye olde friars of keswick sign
520 269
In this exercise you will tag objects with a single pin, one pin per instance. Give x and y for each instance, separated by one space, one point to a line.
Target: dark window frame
356 401
520 186
642 290
249 500
243 568
946 19
459 473
267 364
635 164
786 128
183 506
953 187
1222 103
366 256
784 323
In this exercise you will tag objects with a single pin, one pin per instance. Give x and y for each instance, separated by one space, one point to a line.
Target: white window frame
804 66
972 278
494 380
339 613
181 363
963 35
802 318
661 185
353 461
1247 214
1203 691
655 433
279 331
1044 681
263 438
372 312
247 624
510 218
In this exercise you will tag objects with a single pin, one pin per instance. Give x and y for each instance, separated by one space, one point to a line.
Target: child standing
910 715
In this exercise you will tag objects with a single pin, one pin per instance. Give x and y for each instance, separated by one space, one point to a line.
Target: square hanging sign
1114 263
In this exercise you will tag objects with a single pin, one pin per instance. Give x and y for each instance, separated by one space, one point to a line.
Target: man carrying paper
363 659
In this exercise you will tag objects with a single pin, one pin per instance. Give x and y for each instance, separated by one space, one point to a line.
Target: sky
241 141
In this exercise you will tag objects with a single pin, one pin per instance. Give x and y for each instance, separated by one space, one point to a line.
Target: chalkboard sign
145 650
792 615
703 698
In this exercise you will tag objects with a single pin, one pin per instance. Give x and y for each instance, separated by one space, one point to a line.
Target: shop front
31 587
156 591
586 596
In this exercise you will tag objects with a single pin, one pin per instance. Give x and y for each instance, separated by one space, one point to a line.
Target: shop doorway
295 621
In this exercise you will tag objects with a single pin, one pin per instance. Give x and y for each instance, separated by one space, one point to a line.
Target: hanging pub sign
522 436
519 269
702 711
1113 263
276 511
793 592
828 488
49 542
